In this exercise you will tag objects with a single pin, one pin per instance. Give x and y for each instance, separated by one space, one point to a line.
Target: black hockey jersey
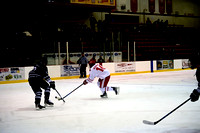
41 72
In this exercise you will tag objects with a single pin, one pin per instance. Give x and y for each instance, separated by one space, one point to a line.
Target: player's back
99 71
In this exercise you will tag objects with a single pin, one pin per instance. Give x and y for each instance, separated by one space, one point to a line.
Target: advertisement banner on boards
185 63
125 67
14 73
70 70
165 64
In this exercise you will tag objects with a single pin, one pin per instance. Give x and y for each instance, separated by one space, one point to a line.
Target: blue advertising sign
70 70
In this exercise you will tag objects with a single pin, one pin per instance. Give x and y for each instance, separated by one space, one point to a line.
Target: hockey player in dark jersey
195 63
39 78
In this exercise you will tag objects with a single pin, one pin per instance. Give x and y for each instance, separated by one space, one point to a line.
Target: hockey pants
102 83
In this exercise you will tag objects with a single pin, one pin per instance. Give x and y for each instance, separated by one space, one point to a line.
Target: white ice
147 96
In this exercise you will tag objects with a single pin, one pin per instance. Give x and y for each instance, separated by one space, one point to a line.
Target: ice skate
116 89
39 107
104 95
48 103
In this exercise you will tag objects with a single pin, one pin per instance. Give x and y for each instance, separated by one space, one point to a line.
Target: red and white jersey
98 71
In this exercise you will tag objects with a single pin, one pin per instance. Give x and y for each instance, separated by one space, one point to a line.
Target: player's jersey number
99 68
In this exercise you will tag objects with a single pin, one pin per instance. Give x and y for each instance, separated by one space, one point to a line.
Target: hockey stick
156 122
59 95
69 93
56 91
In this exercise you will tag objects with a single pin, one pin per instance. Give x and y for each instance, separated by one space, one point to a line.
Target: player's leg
38 93
102 83
46 97
103 89
108 88
47 91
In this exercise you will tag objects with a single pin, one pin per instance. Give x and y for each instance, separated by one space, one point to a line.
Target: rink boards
20 74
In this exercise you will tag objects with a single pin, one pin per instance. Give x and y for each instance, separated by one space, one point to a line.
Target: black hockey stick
69 93
57 92
154 123
59 95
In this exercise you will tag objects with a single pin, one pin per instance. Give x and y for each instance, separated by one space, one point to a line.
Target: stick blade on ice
148 122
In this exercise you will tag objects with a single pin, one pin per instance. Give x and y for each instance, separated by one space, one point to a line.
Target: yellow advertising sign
95 2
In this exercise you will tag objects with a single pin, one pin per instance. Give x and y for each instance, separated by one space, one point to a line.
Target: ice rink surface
147 96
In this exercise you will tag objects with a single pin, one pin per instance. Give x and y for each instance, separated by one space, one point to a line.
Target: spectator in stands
100 60
100 26
110 59
93 22
148 22
156 24
92 61
165 24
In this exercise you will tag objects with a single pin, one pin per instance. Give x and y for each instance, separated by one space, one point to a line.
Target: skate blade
118 90
47 105
104 97
38 109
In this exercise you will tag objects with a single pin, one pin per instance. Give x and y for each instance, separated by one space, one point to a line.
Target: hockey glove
194 95
85 82
52 84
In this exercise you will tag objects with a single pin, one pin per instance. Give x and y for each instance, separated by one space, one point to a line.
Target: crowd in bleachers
154 40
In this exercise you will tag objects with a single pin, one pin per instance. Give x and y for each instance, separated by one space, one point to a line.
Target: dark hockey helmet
44 61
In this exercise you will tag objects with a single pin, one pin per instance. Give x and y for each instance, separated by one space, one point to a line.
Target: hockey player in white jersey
104 76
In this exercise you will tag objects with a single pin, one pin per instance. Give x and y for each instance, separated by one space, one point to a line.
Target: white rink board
139 66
